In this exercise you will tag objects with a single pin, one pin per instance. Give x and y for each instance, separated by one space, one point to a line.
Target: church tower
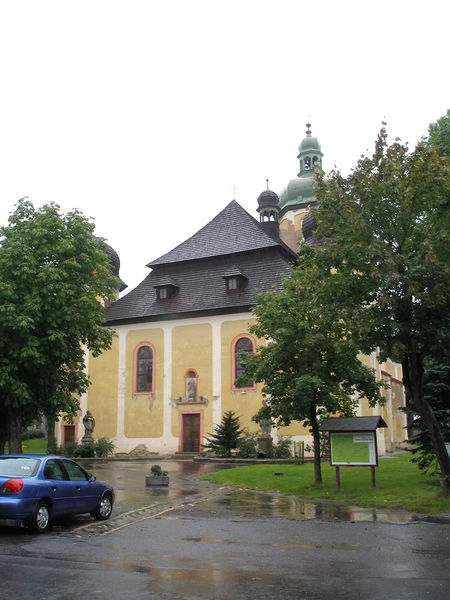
268 211
298 196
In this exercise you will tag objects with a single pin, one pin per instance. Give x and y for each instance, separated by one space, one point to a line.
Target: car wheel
41 519
104 510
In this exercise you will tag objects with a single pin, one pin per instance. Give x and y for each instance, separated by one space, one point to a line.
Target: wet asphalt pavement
196 540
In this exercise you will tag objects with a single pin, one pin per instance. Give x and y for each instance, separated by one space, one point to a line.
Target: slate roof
233 242
166 281
234 271
350 424
201 288
223 235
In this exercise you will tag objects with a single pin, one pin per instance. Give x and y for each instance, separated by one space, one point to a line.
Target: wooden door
69 433
191 432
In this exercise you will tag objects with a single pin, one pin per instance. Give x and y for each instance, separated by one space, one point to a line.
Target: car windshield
15 466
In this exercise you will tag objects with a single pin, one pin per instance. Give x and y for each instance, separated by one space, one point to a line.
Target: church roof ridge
231 231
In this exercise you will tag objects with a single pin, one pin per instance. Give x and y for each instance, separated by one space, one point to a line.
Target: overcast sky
150 116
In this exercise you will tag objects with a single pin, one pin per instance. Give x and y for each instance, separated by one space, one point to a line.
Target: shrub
84 450
282 449
100 448
247 447
54 449
70 449
103 447
157 471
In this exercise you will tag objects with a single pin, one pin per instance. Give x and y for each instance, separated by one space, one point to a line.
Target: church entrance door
69 433
191 432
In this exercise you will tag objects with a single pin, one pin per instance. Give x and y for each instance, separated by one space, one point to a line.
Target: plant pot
156 480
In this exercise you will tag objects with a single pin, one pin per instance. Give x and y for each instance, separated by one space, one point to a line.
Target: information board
357 449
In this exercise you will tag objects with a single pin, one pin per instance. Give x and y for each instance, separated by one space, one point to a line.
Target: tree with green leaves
385 230
53 274
309 366
437 393
436 368
226 436
439 134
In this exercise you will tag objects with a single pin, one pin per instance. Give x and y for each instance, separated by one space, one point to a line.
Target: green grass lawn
399 483
32 446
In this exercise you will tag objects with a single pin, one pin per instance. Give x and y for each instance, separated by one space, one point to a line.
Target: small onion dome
309 142
309 225
115 260
268 199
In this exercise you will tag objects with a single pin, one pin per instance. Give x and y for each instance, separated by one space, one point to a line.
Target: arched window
241 344
143 376
307 163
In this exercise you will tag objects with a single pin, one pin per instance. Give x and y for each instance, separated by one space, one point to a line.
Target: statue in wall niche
191 386
191 389
89 424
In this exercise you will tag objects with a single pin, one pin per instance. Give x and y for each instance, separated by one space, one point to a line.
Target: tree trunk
413 382
3 433
14 432
316 438
51 440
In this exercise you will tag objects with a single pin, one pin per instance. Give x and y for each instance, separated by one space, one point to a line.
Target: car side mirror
92 478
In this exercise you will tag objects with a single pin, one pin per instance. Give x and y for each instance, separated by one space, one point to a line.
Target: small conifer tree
226 436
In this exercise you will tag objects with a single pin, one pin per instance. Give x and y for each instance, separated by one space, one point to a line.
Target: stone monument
89 424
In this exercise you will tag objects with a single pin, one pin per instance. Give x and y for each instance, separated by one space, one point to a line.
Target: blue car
36 488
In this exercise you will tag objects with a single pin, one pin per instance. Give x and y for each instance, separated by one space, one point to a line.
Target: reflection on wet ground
128 480
135 501
250 503
188 578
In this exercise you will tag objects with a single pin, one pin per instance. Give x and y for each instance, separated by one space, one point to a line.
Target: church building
171 372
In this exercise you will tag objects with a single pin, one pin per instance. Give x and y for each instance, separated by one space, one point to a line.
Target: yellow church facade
170 374
168 417
165 421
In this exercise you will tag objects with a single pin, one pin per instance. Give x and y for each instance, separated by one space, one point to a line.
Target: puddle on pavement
249 503
128 480
190 578
290 545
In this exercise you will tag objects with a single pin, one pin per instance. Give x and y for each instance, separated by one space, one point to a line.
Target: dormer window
162 293
232 284
235 280
166 288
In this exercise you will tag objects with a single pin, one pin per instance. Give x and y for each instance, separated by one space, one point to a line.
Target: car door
84 492
60 489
